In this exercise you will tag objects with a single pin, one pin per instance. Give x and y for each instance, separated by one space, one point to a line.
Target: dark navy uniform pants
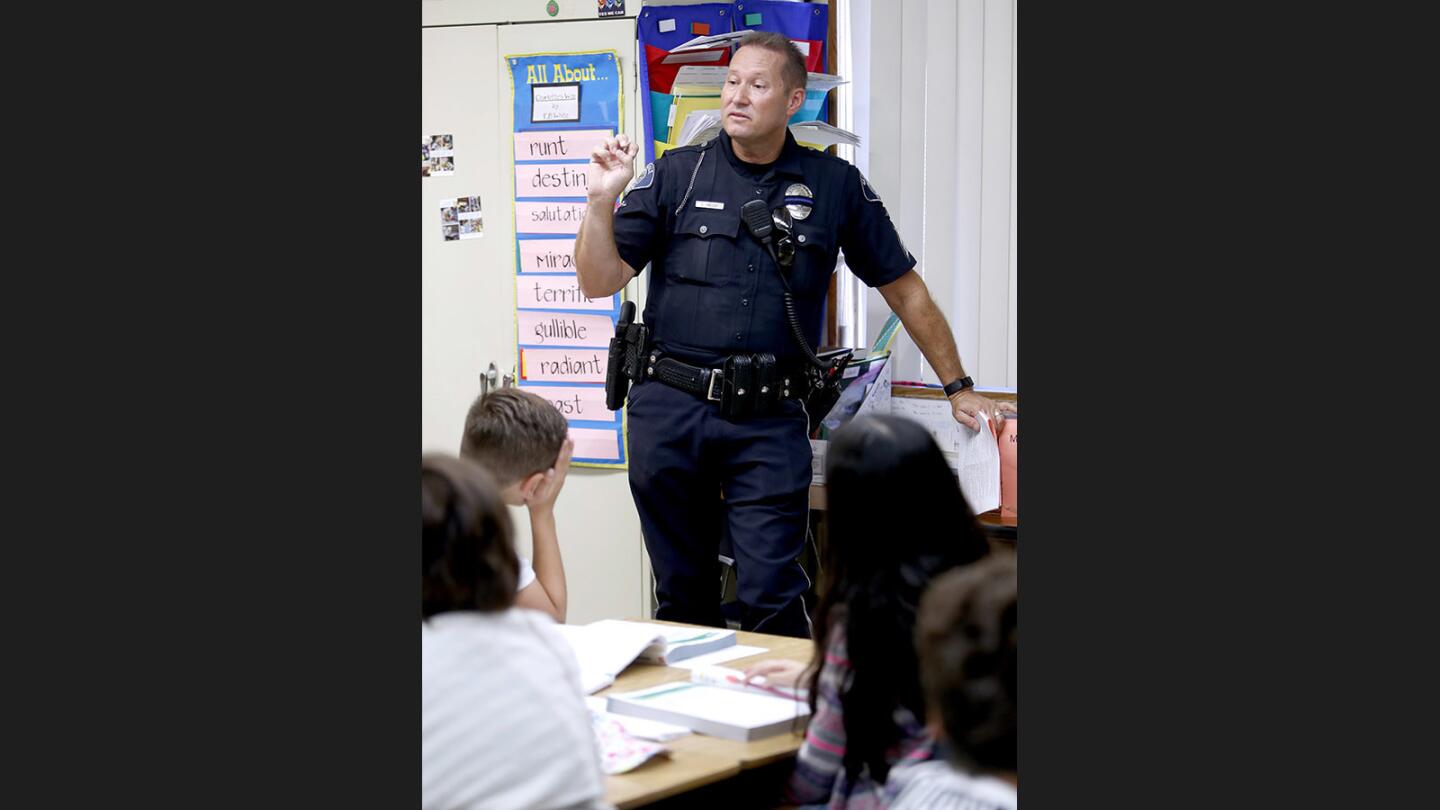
683 455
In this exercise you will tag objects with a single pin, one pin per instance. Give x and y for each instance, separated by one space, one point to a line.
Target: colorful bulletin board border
564 102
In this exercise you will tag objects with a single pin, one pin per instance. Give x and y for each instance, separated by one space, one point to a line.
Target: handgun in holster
626 357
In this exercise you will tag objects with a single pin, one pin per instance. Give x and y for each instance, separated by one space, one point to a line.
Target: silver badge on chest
799 200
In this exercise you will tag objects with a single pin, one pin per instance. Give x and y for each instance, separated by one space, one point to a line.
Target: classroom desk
696 759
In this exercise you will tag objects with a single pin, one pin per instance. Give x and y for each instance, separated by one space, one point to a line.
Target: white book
653 730
727 711
605 648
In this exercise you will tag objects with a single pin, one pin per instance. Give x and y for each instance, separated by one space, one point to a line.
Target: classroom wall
468 286
938 136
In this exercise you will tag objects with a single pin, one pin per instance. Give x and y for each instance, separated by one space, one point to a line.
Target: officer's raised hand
611 168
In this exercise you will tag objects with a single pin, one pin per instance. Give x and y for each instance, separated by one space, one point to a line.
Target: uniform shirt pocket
704 249
815 255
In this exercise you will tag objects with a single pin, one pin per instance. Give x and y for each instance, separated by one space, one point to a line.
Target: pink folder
1009 451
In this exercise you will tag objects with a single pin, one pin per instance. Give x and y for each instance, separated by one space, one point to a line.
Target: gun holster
823 387
626 357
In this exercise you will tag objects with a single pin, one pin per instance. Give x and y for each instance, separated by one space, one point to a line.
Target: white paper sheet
974 456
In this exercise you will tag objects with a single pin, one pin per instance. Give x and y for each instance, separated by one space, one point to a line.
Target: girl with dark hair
502 719
867 705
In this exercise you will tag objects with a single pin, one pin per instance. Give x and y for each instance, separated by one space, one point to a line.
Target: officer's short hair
467 560
966 638
514 433
792 65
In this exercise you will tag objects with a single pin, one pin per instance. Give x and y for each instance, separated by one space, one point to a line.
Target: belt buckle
710 395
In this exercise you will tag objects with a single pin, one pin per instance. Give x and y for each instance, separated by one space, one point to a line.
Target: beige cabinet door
468 298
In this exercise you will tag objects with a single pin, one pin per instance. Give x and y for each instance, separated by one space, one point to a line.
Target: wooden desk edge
647 795
617 786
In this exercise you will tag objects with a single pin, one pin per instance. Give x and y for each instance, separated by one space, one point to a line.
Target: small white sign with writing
555 102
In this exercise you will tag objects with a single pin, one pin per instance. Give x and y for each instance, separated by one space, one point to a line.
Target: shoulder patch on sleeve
866 190
643 180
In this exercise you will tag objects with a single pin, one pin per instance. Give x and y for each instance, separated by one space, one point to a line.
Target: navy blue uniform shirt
715 290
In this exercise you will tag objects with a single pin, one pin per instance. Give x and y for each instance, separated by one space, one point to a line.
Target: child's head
517 436
894 507
966 637
895 520
467 561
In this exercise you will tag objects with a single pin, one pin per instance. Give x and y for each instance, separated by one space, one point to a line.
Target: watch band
959 385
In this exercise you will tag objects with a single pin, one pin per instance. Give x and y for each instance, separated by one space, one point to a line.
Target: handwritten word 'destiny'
565 178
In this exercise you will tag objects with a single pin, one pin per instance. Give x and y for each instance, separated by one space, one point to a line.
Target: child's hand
777 672
549 489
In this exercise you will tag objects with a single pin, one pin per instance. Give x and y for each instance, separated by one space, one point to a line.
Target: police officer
715 291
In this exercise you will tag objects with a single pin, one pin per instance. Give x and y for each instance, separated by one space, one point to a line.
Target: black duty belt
747 384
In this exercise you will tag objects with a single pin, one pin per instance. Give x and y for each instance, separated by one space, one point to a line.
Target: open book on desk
605 648
713 703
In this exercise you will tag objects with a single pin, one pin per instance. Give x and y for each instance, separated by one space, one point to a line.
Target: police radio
822 377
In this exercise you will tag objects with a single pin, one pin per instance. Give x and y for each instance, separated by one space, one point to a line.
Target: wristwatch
959 385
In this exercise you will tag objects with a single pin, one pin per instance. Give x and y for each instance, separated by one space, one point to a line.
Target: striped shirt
819 779
937 785
502 721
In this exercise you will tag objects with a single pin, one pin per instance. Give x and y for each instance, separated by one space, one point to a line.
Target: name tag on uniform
714 206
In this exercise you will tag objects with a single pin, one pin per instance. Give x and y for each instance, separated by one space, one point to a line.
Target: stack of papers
821 134
700 126
822 82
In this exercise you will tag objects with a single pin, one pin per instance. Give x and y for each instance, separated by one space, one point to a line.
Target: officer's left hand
610 169
968 407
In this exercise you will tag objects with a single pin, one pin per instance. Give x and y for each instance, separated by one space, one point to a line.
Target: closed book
728 713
